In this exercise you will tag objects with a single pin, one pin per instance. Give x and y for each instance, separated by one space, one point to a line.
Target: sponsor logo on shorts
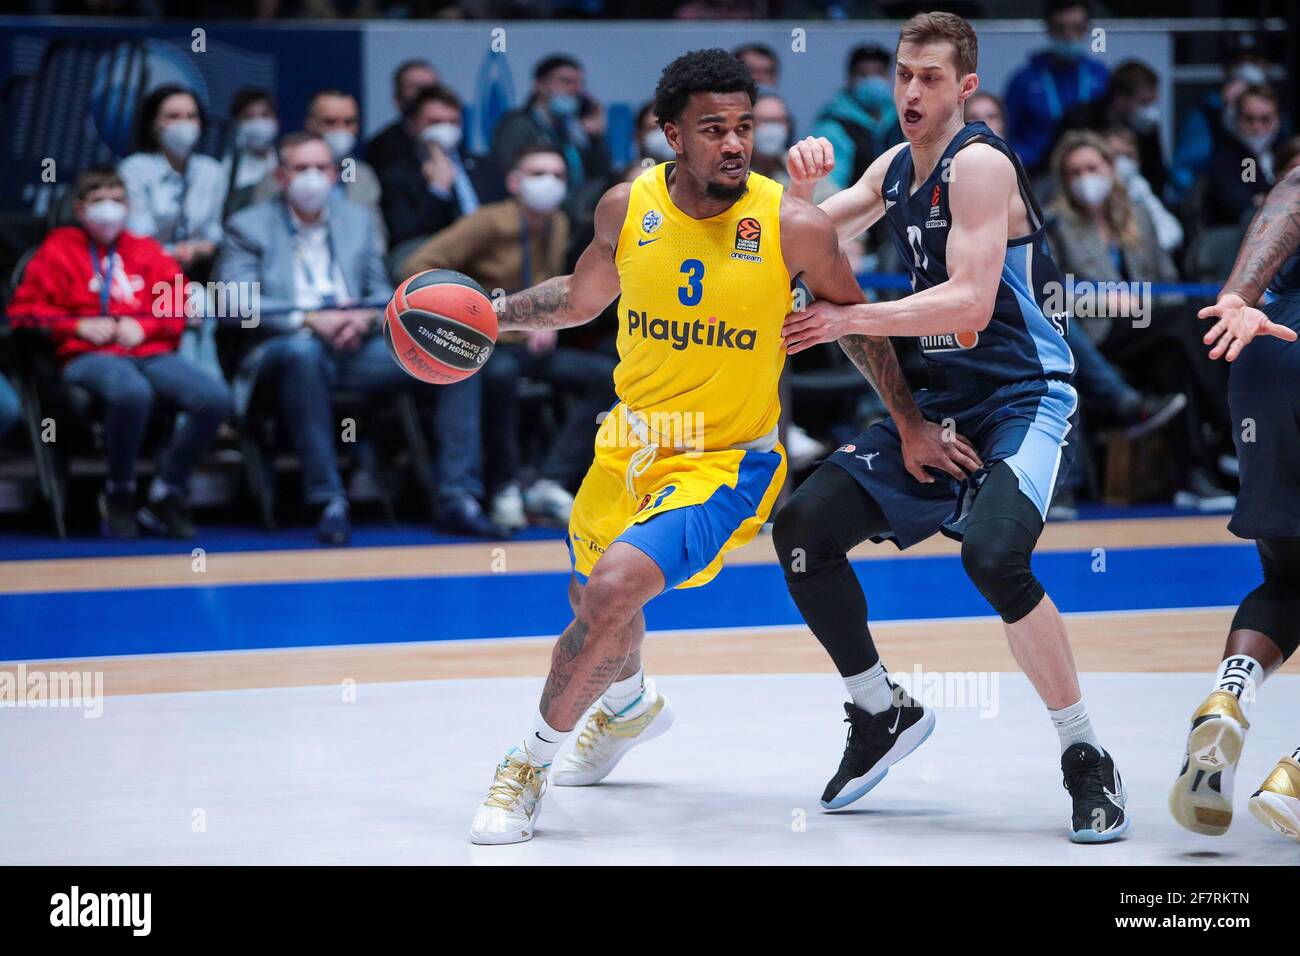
847 449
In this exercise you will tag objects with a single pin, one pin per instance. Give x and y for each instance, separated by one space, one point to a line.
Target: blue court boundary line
55 625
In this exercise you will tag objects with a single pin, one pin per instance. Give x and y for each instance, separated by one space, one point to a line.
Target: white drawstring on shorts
638 465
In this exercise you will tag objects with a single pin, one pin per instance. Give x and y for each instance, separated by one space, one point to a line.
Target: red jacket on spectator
60 286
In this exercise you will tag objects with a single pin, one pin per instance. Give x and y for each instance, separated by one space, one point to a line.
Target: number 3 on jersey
693 291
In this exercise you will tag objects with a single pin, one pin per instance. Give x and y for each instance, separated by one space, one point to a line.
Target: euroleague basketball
440 326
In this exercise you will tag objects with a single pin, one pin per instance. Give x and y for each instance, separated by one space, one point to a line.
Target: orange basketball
440 326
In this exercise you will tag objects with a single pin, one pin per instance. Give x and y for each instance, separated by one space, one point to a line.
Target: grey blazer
259 247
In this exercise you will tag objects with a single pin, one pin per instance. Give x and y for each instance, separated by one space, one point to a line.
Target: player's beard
727 193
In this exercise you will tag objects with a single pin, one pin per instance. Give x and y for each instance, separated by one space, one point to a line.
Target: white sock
870 690
626 697
1074 726
1240 676
543 741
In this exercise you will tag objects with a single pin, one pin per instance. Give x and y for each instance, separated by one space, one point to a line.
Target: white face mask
1259 145
1126 167
1145 118
770 139
446 136
340 142
309 191
1091 189
104 220
655 145
258 133
179 138
542 193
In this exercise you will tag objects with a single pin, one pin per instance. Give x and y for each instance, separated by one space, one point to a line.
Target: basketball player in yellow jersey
687 464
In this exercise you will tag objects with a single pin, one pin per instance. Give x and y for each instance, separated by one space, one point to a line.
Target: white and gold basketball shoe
513 802
1276 803
1201 800
607 737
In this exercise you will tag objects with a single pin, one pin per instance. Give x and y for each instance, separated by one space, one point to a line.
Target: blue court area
235 617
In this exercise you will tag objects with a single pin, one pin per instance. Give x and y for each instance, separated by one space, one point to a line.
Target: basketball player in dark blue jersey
988 313
1264 398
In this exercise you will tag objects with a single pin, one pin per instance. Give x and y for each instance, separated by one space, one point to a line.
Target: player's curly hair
700 71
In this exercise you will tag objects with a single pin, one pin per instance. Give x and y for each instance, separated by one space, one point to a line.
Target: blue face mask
564 105
1070 49
873 91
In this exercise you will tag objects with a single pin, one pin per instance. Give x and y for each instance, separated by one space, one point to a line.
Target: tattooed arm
812 251
1273 237
578 298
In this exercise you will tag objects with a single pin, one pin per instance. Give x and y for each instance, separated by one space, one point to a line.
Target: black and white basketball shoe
1097 792
875 743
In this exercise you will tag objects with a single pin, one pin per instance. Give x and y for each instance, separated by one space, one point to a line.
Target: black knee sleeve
1000 536
1273 608
824 519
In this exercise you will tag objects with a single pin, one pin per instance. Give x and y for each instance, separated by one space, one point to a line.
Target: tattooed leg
604 638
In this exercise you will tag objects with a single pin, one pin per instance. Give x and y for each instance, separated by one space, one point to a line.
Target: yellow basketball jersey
700 314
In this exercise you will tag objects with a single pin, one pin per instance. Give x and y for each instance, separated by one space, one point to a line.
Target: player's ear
673 135
969 84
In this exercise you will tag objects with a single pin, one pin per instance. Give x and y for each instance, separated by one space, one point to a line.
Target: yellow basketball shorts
684 510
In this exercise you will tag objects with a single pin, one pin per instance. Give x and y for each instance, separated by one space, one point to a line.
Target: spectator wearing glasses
1241 169
318 260
176 195
114 305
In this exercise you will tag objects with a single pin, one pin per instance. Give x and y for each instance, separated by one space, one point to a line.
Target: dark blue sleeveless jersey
1287 280
1025 338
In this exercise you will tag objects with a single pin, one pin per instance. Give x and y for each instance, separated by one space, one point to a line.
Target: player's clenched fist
810 159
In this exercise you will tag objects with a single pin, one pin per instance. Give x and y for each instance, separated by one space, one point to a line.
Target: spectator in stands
985 107
773 134
114 304
251 156
175 194
437 182
651 143
509 246
1099 235
1123 146
1054 81
553 115
1129 100
860 121
1212 119
1241 170
763 63
394 142
334 116
318 260
10 410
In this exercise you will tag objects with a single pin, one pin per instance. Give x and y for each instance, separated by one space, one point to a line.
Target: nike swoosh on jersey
646 242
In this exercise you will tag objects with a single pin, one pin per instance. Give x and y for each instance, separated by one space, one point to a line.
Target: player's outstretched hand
819 322
810 159
1238 324
934 446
